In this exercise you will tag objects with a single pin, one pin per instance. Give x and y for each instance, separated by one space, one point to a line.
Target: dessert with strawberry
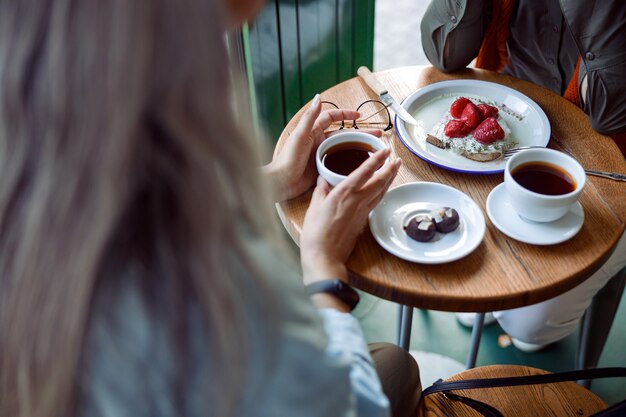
474 129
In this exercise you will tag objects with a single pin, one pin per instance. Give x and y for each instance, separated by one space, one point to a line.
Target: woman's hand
293 170
336 217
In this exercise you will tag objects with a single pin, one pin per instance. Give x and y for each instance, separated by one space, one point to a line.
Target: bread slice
434 140
479 156
482 156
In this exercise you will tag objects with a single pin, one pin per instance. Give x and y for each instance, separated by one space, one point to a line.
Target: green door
298 48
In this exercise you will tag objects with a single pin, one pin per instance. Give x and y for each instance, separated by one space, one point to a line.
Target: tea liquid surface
344 158
544 178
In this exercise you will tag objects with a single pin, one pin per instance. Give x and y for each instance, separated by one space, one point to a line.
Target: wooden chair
561 399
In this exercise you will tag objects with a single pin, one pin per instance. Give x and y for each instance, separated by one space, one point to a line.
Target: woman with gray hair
141 273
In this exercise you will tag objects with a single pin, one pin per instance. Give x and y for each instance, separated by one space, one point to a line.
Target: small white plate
402 203
528 123
502 215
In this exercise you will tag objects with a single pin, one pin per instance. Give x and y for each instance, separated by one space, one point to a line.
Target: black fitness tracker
338 288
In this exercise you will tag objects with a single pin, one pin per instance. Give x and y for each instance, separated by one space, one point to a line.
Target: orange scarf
493 55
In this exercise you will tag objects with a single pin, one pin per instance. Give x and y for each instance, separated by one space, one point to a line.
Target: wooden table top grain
501 273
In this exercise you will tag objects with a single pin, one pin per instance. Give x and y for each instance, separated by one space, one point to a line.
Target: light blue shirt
322 365
346 343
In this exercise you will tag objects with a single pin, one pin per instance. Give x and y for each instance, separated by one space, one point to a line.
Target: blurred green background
297 48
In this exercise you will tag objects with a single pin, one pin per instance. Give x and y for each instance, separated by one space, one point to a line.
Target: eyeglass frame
354 122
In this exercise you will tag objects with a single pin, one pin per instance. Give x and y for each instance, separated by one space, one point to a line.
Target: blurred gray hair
114 113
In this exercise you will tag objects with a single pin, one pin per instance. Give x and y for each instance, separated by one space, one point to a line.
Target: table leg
477 331
595 325
399 333
406 320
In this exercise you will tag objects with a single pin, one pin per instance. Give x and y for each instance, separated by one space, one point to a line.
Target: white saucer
402 203
503 216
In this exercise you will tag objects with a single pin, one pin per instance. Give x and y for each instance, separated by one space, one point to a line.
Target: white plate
502 215
402 203
428 105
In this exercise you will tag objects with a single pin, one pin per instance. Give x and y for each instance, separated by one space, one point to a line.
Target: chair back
300 48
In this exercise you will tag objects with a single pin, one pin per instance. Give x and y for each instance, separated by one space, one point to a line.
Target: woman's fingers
367 185
320 192
329 116
362 174
308 119
376 132
380 185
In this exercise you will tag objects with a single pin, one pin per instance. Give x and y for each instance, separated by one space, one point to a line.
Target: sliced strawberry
470 115
488 131
457 129
457 107
486 110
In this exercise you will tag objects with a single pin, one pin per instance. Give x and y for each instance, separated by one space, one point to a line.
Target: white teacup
336 142
540 205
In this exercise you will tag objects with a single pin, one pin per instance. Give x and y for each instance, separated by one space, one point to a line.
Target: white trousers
556 318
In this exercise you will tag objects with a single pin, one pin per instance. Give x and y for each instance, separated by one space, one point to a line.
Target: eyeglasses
374 115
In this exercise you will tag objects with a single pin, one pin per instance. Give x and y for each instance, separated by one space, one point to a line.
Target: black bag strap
483 408
490 411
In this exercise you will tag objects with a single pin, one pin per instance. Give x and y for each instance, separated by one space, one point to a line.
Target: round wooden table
501 273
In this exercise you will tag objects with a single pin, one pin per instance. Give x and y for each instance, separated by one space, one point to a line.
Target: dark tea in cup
544 178
339 155
343 158
543 184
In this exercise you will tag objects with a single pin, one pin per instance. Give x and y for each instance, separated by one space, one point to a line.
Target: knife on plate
385 97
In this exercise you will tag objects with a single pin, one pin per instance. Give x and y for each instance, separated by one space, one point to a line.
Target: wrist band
337 288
